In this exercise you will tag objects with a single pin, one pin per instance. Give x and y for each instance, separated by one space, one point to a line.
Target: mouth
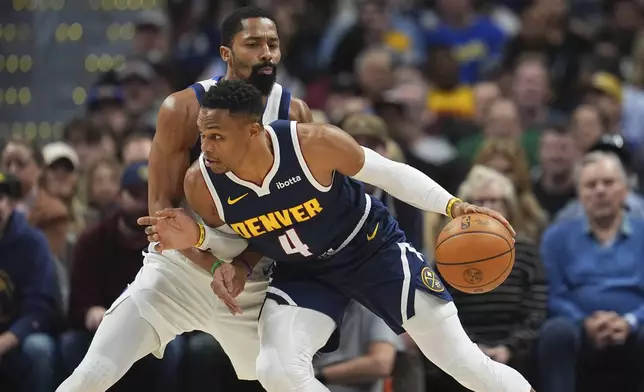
210 162
265 71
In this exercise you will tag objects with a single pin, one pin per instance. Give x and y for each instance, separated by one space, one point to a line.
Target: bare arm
170 154
300 111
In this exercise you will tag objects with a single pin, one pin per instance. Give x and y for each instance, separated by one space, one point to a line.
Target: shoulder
177 113
560 230
300 111
31 238
193 177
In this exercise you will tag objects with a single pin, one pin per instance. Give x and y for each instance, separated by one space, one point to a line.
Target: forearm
354 371
404 182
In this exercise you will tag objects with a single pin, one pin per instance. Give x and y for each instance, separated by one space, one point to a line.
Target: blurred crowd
532 107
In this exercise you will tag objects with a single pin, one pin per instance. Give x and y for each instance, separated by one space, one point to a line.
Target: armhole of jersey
272 109
285 105
211 188
302 161
199 91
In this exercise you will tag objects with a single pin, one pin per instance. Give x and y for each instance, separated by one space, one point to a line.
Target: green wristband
215 266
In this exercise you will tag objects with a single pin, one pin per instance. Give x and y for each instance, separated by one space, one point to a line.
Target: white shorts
174 296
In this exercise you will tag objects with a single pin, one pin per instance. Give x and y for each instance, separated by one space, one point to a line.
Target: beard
263 82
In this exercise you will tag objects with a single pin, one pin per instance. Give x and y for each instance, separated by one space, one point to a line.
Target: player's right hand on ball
227 283
172 228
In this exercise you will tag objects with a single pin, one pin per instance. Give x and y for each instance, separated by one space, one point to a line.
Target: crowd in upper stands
532 107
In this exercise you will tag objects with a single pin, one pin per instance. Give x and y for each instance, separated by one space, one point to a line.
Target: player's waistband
333 251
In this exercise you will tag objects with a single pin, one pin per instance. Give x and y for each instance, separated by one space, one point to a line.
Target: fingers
226 298
146 221
169 212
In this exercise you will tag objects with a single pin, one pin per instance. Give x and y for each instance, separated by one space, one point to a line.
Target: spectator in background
106 105
505 322
606 96
107 257
152 36
365 357
553 183
477 42
587 126
376 28
531 91
596 282
507 157
502 121
102 190
375 73
485 93
29 299
60 179
447 97
91 141
45 212
371 131
136 147
138 78
634 203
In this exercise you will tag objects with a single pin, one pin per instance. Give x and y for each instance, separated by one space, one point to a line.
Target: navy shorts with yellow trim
381 275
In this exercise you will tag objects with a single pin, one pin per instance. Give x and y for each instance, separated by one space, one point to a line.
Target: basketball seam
478 261
471 232
483 285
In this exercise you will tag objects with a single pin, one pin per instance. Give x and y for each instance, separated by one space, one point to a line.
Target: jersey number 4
292 244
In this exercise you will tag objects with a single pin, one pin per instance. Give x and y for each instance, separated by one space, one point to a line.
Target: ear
255 129
226 53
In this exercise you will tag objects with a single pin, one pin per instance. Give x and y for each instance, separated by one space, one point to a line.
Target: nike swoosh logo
375 231
235 200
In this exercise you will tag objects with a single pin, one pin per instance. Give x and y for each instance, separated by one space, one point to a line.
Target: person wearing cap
106 104
138 78
371 131
151 35
606 95
60 179
29 299
107 257
45 212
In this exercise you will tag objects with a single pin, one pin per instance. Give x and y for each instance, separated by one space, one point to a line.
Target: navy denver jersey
291 217
277 106
332 244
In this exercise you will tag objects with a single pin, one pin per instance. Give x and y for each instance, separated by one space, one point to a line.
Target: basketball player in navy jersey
170 295
294 192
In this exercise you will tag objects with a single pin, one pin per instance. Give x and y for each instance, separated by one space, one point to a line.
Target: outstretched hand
464 208
172 228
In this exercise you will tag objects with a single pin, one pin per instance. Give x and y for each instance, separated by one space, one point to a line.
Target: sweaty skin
170 155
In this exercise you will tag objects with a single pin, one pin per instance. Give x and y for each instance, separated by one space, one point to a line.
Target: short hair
236 96
233 22
597 156
557 128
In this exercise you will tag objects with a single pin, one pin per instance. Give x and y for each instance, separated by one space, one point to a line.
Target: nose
205 145
265 55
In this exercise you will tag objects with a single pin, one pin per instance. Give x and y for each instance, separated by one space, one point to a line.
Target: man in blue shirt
29 295
596 279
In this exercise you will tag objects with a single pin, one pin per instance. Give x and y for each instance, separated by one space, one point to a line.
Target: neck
605 228
530 116
258 161
557 183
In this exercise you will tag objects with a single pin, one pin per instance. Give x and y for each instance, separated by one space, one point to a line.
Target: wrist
241 263
452 206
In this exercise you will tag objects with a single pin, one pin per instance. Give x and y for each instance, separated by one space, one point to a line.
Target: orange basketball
474 253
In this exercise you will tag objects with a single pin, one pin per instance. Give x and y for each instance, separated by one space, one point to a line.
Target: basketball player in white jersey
171 293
